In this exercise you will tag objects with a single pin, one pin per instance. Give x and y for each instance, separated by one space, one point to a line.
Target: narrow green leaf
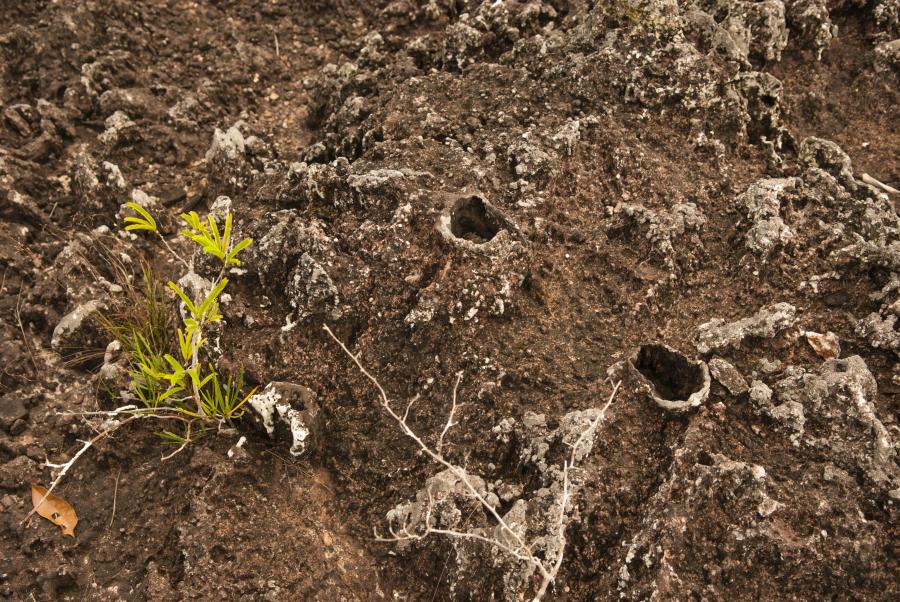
226 235
183 297
173 363
191 219
214 228
142 212
232 256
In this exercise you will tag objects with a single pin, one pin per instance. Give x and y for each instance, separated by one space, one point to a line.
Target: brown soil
577 284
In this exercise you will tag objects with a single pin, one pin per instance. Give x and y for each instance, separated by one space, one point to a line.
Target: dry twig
64 467
133 413
513 544
115 496
877 184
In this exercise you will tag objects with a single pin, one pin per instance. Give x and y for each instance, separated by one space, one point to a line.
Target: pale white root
513 544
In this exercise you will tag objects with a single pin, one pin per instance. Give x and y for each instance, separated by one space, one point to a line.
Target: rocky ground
695 197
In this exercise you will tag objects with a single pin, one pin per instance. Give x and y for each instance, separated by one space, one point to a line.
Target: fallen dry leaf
55 509
825 345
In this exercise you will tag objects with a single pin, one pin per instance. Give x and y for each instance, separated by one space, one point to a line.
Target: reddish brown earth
360 123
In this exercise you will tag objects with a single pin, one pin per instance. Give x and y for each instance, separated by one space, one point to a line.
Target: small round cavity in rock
470 220
673 381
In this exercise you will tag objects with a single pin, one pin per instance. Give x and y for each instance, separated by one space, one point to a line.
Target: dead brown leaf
54 508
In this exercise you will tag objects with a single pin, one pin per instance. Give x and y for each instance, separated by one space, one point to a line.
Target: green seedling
165 360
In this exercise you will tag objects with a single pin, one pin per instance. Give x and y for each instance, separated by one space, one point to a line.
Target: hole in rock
673 376
472 221
705 459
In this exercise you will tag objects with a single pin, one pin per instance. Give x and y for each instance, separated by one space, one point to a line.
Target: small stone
18 427
717 334
728 376
119 129
887 56
227 147
767 366
767 506
11 410
74 332
825 345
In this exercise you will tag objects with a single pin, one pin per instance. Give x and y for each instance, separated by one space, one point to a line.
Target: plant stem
172 251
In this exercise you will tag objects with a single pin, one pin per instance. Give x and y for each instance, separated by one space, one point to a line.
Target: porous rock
762 207
666 226
832 409
226 158
812 21
114 374
880 331
887 56
100 185
311 291
120 129
718 335
826 155
290 411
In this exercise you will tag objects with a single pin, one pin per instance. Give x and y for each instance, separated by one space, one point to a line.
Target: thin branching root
528 540
114 420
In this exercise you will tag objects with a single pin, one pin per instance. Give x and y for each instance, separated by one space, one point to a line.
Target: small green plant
146 311
165 366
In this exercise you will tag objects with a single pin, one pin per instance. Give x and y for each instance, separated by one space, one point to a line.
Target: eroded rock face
743 488
621 169
831 410
709 501
538 515
839 224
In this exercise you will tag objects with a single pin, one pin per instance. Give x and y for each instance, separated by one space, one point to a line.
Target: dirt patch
524 192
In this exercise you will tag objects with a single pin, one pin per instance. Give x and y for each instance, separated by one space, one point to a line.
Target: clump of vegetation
168 375
166 365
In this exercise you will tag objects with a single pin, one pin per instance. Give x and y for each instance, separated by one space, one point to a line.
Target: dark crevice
672 375
472 221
